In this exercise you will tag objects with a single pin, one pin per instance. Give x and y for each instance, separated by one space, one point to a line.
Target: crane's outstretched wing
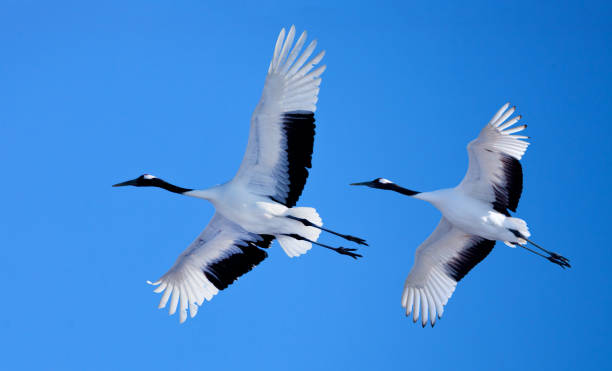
221 253
495 174
441 261
281 138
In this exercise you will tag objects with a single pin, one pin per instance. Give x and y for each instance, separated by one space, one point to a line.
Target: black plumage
508 190
299 131
468 257
224 272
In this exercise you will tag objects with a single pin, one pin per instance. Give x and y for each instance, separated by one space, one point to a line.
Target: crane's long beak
129 182
361 184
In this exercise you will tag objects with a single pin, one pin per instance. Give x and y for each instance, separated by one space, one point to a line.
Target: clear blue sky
94 94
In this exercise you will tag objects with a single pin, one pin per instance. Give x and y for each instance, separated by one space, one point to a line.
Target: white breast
252 212
469 214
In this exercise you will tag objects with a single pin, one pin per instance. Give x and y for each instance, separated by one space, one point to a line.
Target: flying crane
258 205
475 214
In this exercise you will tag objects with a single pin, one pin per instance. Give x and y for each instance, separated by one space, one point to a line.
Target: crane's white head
382 183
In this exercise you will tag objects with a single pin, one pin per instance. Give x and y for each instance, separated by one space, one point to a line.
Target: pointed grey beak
361 184
129 182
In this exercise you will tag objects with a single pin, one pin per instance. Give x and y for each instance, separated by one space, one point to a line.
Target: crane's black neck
156 182
394 187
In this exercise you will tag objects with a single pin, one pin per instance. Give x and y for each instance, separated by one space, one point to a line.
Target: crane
258 205
475 214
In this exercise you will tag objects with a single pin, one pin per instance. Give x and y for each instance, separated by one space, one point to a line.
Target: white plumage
487 153
289 88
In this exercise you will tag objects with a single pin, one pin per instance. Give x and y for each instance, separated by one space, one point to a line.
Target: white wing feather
291 86
430 284
487 152
186 282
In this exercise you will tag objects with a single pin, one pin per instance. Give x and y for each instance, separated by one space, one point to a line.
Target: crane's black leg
553 254
307 223
553 257
340 250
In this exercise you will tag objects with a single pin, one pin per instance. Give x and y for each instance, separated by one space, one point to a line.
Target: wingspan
221 253
441 261
495 174
281 137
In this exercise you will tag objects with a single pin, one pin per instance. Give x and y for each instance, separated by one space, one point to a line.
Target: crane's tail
520 226
295 247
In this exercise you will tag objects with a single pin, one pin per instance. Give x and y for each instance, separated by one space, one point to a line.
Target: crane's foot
339 250
357 240
348 252
552 257
559 260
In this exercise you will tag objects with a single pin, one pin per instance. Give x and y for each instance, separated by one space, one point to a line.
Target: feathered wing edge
281 138
215 259
441 261
495 174
298 104
502 137
300 82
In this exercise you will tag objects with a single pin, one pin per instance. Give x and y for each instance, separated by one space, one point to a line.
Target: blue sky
93 94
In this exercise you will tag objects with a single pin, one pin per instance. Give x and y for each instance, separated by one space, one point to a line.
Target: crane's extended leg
340 250
552 256
307 223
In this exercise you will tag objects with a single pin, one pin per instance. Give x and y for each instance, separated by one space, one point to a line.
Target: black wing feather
224 272
469 257
299 130
508 190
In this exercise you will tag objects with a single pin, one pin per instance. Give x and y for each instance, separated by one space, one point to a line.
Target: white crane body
255 213
473 216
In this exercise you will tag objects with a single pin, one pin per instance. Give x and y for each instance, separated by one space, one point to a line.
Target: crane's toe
562 261
348 252
357 240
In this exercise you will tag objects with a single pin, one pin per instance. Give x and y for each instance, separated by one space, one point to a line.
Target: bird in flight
475 214
258 204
